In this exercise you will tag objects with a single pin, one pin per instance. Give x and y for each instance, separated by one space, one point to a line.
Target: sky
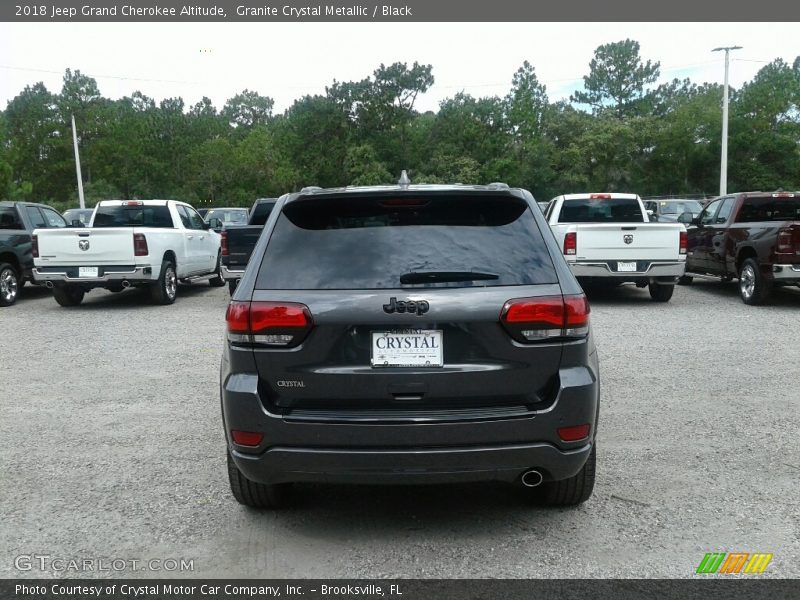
289 60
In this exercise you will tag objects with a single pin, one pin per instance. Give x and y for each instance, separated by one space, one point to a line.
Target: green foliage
617 78
637 137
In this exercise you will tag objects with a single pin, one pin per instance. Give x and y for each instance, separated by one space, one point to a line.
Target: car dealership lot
112 447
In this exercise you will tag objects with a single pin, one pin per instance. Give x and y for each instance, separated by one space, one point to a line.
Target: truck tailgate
241 242
86 246
635 241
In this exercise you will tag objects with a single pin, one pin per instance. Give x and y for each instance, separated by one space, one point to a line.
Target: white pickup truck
608 239
152 243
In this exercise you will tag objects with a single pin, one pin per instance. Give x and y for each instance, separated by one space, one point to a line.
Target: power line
102 76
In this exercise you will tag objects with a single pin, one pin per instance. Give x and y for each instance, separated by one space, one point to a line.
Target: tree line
621 132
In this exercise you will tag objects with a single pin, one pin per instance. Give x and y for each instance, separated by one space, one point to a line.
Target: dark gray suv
409 334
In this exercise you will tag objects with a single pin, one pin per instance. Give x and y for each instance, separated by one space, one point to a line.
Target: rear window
261 213
228 217
769 209
132 216
370 243
601 210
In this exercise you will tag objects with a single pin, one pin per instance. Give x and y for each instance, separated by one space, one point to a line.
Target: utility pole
723 168
77 163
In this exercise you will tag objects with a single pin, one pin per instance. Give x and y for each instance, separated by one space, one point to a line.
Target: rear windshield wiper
445 276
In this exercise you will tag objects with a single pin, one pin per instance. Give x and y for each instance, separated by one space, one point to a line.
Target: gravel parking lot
112 447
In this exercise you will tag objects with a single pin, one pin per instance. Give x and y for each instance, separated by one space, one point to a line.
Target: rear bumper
413 451
229 274
786 273
336 465
110 274
644 269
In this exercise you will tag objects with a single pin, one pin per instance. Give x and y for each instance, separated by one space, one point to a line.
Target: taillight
599 196
140 245
223 243
683 244
268 323
785 244
571 243
537 319
35 246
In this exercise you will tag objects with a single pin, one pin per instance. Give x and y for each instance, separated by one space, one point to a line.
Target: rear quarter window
369 242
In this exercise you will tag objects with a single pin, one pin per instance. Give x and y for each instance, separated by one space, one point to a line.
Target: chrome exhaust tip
531 478
49 285
126 284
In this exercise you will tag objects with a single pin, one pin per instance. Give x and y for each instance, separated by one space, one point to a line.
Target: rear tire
255 495
685 280
10 284
217 281
165 289
661 293
68 295
572 491
753 288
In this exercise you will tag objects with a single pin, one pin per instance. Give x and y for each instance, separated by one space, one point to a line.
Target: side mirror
686 218
77 223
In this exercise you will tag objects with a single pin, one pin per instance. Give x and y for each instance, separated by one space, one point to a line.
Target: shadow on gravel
132 297
626 294
344 511
710 289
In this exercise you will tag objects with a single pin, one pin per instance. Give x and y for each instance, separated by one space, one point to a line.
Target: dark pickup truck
17 221
238 241
752 236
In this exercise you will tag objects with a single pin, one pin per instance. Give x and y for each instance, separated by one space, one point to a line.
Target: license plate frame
624 266
88 272
426 353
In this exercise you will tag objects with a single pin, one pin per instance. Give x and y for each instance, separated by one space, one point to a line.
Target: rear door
717 237
205 240
193 244
405 295
699 238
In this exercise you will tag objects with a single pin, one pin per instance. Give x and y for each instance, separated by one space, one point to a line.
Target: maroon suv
752 236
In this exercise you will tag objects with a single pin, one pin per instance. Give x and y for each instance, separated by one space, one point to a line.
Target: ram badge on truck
147 243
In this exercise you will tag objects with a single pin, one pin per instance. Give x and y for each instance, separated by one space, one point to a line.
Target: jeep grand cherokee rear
409 334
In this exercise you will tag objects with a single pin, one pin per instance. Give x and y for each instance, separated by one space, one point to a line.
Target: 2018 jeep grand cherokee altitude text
409 334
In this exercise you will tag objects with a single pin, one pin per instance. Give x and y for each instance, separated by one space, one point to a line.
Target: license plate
626 267
407 348
87 271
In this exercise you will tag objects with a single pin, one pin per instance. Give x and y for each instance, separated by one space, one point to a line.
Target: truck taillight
683 244
785 244
571 243
599 196
537 319
223 242
140 245
35 246
268 323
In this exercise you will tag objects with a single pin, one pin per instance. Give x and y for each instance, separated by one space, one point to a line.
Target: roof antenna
404 181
